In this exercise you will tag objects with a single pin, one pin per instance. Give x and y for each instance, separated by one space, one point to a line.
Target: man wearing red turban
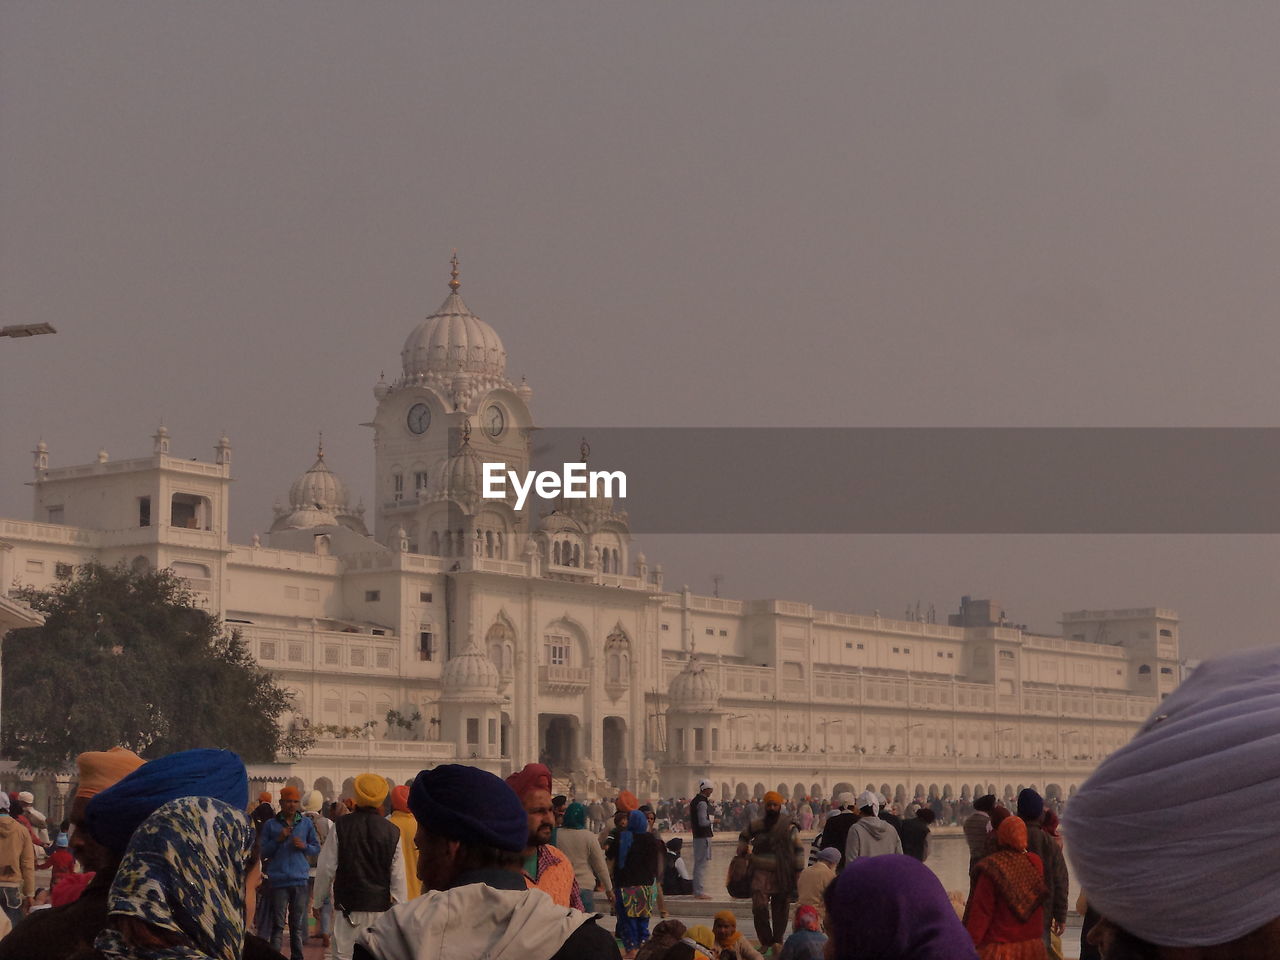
545 867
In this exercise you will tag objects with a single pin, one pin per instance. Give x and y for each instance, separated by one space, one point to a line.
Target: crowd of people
165 860
808 812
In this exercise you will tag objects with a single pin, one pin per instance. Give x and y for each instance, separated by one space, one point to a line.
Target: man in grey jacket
870 836
700 824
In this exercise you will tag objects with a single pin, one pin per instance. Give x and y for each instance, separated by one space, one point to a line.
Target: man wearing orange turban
777 857
545 867
408 826
63 930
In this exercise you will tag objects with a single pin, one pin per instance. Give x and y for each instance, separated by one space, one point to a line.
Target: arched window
1144 670
577 555
555 553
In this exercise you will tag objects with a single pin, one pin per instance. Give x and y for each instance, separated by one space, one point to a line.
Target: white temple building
460 628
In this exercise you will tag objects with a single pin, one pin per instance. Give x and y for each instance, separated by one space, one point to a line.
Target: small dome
693 688
318 498
558 522
471 672
461 477
453 339
319 488
302 518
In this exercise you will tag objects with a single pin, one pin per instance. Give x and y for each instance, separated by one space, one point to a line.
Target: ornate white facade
466 629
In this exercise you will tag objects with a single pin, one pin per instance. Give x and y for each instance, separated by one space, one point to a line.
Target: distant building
464 629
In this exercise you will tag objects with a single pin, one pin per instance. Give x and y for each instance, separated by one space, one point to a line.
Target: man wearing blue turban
472 832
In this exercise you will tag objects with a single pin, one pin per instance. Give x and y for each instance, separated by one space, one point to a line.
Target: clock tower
451 409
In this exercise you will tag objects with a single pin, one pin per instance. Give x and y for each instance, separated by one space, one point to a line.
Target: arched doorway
614 742
325 786
558 742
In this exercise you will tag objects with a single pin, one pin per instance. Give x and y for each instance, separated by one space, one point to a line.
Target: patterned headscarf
637 823
1018 880
184 873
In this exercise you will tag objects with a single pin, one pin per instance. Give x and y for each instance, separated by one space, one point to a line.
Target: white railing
560 675
47 532
365 747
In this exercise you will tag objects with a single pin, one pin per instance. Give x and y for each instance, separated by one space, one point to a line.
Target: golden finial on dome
320 446
584 450
454 282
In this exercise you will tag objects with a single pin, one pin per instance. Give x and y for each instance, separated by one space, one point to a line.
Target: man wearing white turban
1171 876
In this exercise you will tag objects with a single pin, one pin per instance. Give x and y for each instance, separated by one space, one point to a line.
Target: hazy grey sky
673 213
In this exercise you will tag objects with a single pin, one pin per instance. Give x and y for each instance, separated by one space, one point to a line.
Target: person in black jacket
676 881
472 831
637 857
701 825
915 834
835 832
364 862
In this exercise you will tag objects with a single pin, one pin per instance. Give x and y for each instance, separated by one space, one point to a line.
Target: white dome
693 689
302 518
319 498
471 671
461 477
319 489
453 339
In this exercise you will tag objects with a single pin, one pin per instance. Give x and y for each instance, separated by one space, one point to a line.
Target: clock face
419 418
495 421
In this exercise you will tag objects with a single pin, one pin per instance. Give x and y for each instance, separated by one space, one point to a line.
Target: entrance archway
614 742
558 742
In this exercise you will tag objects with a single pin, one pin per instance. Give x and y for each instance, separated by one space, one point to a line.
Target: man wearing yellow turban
363 861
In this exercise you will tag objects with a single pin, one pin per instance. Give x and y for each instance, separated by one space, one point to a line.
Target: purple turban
893 906
1147 833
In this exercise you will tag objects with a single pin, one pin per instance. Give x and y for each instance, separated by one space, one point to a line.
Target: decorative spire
584 450
454 282
320 446
466 434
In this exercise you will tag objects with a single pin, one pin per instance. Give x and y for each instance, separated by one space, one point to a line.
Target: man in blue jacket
287 840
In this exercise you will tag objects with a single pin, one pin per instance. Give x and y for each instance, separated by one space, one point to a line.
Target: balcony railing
362 747
564 678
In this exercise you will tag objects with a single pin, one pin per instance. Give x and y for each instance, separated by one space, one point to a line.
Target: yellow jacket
408 827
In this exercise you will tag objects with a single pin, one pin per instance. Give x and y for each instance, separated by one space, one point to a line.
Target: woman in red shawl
1005 913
